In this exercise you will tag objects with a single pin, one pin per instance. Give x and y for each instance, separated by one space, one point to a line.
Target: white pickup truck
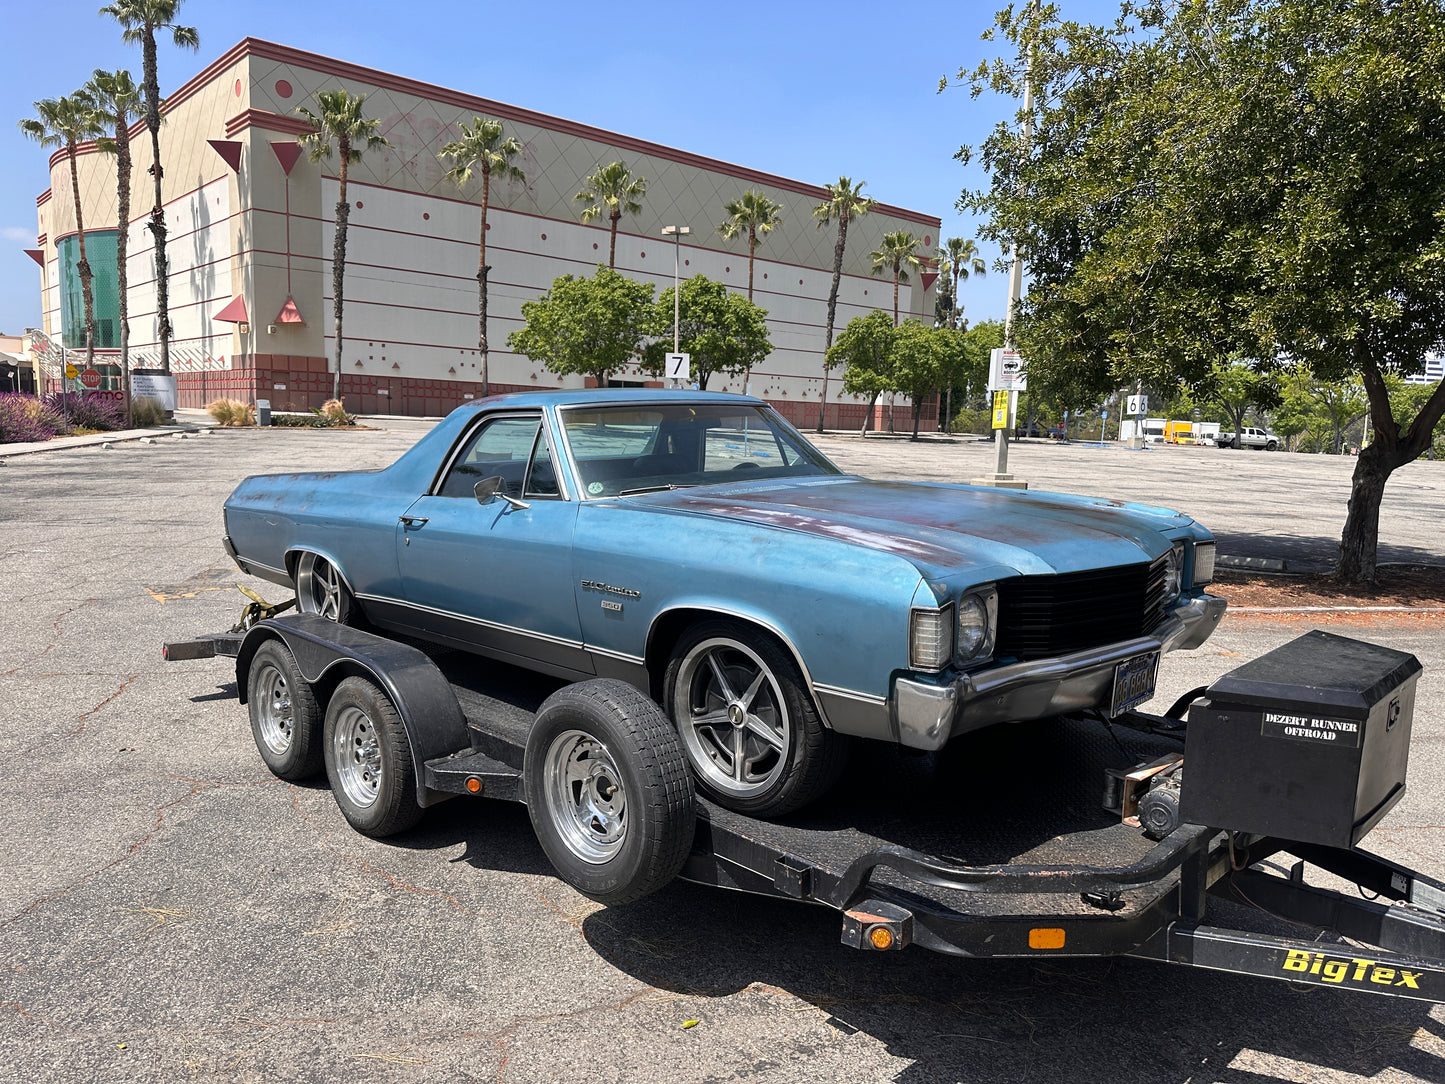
1249 437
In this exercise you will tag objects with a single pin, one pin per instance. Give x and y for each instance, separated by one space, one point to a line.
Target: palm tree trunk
338 262
158 212
616 217
482 270
122 237
83 267
832 310
752 252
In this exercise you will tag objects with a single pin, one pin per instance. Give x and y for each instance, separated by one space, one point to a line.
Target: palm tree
957 258
845 202
898 248
68 122
898 251
482 150
139 20
115 97
339 121
613 191
755 215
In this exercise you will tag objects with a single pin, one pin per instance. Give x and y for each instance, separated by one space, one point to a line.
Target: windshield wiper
656 489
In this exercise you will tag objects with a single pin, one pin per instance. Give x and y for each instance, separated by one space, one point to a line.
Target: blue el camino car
697 546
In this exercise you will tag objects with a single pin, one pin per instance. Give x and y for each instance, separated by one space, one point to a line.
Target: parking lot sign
679 366
1007 371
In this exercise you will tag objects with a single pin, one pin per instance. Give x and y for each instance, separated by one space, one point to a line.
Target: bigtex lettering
1354 969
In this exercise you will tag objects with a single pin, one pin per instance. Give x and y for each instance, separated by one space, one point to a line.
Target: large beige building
250 242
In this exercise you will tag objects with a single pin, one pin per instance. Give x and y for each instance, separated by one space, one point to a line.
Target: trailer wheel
285 718
368 760
608 791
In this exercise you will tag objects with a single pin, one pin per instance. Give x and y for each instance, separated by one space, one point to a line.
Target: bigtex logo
1354 969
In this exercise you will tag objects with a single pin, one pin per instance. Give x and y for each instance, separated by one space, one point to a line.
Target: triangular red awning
228 149
234 313
927 277
286 154
289 313
38 255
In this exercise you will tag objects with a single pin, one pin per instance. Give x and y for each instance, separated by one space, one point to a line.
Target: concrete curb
1335 610
96 440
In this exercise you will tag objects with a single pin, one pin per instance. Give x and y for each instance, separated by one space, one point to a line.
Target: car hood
946 528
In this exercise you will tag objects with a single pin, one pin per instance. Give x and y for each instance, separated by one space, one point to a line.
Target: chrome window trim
487 418
496 626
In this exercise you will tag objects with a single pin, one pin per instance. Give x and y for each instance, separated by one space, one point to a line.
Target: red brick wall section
306 384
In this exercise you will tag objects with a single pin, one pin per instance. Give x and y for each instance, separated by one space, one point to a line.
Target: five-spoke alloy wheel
321 590
747 723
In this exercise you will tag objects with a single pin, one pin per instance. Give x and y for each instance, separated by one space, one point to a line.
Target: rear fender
326 653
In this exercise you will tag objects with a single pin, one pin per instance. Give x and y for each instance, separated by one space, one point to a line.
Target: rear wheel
320 590
285 718
608 791
747 723
368 760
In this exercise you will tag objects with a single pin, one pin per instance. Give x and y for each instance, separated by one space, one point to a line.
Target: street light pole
677 233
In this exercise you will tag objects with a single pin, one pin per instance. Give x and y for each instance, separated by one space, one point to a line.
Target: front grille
1043 616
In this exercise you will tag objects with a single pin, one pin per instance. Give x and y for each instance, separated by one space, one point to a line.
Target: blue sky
805 90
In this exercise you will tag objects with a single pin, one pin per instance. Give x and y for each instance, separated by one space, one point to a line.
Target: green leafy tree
67 122
845 202
1237 388
1341 401
481 152
140 20
865 350
612 191
1232 178
115 97
753 215
339 123
920 357
590 326
724 332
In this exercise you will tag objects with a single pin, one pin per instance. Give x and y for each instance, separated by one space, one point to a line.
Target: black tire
1271 446
608 791
789 758
285 718
321 590
368 760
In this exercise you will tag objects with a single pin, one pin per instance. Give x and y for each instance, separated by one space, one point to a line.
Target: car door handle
413 521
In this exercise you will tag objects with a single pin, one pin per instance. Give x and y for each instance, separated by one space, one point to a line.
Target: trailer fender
326 653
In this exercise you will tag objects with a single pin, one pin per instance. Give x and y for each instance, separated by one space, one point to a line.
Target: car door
496 576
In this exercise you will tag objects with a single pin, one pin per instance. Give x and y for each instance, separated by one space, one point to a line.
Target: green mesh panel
100 251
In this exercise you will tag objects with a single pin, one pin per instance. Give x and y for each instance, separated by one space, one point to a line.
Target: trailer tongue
998 846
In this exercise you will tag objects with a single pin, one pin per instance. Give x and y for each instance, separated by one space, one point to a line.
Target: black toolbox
1308 743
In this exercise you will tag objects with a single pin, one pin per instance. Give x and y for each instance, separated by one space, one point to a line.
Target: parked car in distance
1249 437
1057 432
1034 430
697 546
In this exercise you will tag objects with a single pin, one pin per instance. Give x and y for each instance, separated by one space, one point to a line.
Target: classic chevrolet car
697 546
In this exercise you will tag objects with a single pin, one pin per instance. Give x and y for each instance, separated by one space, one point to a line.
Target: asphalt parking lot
170 911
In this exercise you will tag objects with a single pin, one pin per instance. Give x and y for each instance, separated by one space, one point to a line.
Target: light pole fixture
677 233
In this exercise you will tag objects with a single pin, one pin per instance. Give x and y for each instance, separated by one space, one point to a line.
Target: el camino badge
607 588
1134 682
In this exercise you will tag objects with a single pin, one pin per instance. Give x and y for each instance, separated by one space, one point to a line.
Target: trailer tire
368 760
285 718
609 791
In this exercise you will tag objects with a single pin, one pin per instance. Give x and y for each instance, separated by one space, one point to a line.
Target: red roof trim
261 118
43 198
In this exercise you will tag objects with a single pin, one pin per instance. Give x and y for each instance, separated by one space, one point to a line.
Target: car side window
500 446
542 474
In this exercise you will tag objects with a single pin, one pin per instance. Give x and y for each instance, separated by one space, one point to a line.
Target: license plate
1134 682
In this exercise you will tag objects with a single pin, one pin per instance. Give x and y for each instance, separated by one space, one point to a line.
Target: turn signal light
474 785
881 937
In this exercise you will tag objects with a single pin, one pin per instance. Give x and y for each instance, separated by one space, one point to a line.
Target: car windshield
637 449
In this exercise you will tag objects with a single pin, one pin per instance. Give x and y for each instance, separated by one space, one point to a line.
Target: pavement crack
80 719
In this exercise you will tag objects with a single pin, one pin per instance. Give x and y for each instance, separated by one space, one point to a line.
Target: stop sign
90 379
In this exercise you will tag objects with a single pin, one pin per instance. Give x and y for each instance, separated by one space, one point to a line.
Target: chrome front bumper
925 716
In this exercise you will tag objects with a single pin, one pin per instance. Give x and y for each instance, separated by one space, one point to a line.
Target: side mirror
488 488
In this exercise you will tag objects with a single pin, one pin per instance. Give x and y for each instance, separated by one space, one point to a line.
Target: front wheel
608 791
368 760
747 723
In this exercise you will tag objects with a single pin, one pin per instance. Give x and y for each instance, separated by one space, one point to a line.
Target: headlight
1203 563
977 619
930 638
1174 571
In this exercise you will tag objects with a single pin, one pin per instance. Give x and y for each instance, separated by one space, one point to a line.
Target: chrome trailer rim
732 717
584 796
357 756
275 717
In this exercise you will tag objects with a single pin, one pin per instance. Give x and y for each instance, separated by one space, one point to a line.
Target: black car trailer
997 846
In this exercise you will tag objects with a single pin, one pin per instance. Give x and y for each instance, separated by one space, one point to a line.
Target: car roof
608 396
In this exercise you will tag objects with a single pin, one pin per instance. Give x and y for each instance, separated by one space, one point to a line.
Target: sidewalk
187 422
